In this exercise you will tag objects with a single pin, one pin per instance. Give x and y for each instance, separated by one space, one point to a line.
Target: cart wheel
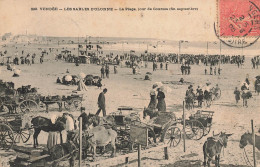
76 105
4 109
207 129
28 106
22 135
194 129
6 137
123 143
171 135
123 140
72 105
67 105
151 136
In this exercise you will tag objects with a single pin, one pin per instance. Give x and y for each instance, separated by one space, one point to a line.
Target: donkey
213 146
248 138
99 136
208 98
150 112
70 149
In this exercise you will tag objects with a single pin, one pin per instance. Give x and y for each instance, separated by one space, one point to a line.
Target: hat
154 86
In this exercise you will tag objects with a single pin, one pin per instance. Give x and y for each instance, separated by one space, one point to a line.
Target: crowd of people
190 59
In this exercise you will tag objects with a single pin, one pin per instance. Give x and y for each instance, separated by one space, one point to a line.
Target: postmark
238 22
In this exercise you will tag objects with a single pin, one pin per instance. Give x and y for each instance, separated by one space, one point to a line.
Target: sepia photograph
129 83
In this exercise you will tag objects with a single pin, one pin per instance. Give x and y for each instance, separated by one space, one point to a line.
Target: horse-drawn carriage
161 128
198 124
71 103
13 130
11 99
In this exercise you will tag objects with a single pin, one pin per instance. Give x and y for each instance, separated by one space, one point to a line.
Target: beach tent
81 86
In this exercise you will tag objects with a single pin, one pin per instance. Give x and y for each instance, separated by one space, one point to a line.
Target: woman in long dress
153 100
161 106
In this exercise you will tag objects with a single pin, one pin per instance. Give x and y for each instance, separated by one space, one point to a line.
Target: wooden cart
11 131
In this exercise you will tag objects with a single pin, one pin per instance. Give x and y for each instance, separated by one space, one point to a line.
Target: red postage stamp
238 18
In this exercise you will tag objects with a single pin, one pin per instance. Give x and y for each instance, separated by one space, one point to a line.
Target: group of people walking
185 69
105 70
255 62
155 66
211 71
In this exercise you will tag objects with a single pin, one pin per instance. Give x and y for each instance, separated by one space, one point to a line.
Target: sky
16 17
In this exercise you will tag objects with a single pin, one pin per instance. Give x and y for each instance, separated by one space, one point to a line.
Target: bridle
220 140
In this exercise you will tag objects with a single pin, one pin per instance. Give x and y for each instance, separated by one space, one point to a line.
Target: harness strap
246 160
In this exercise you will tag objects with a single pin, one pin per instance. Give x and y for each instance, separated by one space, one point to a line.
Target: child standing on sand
237 95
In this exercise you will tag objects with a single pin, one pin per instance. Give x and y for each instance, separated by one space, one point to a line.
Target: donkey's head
223 138
244 139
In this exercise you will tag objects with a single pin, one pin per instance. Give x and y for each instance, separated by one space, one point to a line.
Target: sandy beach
126 89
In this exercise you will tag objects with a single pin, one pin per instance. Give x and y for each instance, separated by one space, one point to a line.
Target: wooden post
184 133
126 160
253 137
139 155
80 141
166 156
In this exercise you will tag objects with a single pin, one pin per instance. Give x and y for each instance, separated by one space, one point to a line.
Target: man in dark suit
101 102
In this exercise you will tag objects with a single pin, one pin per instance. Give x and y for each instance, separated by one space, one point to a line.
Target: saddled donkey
99 136
213 146
41 123
257 86
208 97
245 96
247 138
189 100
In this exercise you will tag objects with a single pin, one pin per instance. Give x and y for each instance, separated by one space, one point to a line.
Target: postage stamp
238 22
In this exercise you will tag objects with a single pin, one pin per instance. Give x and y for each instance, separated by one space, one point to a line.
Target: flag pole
78 46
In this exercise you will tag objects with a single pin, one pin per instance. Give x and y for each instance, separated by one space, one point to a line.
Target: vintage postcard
172 83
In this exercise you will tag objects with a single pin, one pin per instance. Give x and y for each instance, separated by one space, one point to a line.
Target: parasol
68 78
159 84
82 75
